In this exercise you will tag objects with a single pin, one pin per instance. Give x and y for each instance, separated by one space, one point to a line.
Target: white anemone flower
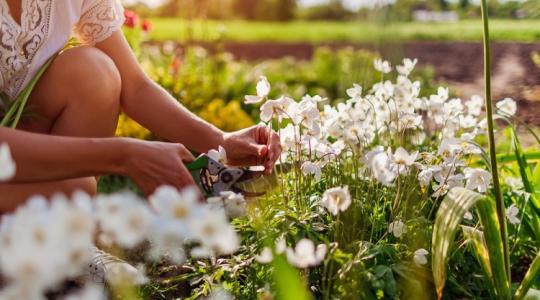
355 92
419 257
401 160
310 168
512 214
167 240
7 165
265 257
43 243
219 155
277 108
315 99
281 245
382 66
397 228
475 105
336 199
233 204
218 293
379 164
407 67
477 179
123 218
168 202
91 291
305 254
426 175
514 183
305 113
507 106
263 89
212 229
449 148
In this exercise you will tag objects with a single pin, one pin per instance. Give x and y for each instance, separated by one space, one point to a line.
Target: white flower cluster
303 255
42 244
389 113
45 242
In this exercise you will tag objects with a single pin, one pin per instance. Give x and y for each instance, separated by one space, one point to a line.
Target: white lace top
46 26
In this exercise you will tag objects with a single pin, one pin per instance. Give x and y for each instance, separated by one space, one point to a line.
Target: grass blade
494 243
529 279
449 216
476 238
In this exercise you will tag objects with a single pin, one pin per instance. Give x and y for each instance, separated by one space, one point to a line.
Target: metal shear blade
214 178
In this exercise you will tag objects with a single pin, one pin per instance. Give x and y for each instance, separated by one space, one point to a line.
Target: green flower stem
13 116
492 153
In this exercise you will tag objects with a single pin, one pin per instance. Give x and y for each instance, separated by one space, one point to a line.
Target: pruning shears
213 177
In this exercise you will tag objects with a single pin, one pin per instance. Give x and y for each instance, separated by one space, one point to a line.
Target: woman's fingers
274 151
153 164
185 154
271 139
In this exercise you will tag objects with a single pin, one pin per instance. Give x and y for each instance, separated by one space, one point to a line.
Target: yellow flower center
180 212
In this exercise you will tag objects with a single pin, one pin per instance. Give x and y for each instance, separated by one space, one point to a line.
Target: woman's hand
153 164
253 146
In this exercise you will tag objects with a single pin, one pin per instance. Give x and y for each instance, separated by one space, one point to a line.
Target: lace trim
20 43
100 22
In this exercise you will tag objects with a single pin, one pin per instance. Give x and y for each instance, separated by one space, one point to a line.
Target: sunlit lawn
502 30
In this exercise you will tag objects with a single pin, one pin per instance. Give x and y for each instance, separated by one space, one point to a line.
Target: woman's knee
89 71
81 81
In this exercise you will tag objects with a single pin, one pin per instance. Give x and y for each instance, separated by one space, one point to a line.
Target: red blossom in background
131 18
175 65
146 26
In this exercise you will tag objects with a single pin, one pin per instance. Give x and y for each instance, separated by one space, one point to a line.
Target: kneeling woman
65 139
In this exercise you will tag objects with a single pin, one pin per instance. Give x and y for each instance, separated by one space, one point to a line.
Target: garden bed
457 63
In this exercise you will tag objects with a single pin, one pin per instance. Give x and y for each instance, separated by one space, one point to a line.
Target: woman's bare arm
46 158
154 108
43 157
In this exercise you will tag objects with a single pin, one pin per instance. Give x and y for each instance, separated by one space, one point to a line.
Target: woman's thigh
78 95
14 194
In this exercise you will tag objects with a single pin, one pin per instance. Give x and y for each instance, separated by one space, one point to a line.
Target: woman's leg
79 95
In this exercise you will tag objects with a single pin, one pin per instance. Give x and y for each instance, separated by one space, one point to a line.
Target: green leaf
450 214
289 285
508 158
528 280
476 238
529 186
494 243
524 169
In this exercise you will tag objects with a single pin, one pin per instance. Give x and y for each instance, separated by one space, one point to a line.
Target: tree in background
333 10
272 10
532 8
285 10
246 9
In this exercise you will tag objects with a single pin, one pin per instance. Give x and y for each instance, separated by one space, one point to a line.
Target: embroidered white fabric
45 28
